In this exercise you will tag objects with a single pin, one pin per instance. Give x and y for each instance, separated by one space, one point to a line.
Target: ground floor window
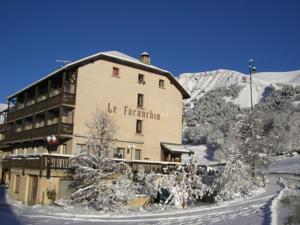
137 155
118 153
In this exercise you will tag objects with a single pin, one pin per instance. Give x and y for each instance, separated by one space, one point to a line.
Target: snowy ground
275 205
290 165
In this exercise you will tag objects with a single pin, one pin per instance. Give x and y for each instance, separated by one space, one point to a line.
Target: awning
175 148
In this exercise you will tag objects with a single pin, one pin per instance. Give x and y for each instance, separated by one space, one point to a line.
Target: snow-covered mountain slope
279 78
197 84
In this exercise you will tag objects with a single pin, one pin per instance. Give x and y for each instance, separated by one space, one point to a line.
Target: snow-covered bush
182 187
145 183
101 182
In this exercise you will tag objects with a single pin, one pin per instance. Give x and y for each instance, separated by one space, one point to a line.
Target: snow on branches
234 182
100 181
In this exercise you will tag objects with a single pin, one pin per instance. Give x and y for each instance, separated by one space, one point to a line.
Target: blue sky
181 36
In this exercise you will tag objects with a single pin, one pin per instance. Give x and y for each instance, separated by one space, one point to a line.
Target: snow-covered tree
101 182
101 134
234 181
209 121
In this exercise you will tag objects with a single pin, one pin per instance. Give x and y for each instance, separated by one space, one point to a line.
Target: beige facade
98 89
144 101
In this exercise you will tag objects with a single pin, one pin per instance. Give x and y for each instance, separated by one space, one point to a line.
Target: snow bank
274 205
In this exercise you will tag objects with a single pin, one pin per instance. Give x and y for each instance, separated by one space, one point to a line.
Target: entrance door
32 191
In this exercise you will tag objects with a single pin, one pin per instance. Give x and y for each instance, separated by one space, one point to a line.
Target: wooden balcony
44 163
3 145
59 129
59 99
55 163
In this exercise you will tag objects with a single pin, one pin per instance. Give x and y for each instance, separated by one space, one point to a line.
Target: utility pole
252 69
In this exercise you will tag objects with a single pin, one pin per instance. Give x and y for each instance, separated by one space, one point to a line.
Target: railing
65 98
60 163
52 163
3 145
40 133
150 166
48 163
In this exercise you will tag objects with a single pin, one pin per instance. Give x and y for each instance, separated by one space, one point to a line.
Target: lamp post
252 69
51 140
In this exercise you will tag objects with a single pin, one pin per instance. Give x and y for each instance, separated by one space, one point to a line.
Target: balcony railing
51 163
40 133
3 145
65 98
48 163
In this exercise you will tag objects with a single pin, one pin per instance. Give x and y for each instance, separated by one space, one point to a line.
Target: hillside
197 84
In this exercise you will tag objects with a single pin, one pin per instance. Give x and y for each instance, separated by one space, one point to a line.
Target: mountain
197 84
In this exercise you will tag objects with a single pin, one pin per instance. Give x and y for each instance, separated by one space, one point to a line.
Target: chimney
145 58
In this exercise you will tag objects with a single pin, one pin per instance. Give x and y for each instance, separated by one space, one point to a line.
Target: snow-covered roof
112 54
175 148
3 107
202 154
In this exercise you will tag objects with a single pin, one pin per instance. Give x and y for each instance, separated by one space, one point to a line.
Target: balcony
48 164
3 145
55 100
44 163
59 129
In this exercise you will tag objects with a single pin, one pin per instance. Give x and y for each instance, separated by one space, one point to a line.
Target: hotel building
144 101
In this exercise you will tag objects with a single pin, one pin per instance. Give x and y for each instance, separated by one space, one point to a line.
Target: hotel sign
138 112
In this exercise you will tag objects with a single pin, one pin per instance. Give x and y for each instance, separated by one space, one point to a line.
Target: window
115 72
141 79
161 83
17 184
139 126
140 100
118 153
137 155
